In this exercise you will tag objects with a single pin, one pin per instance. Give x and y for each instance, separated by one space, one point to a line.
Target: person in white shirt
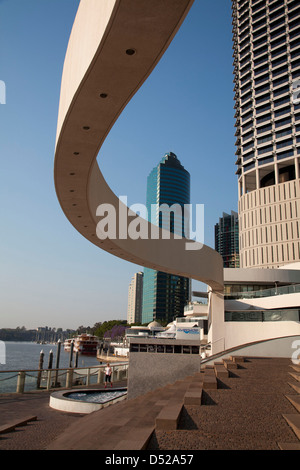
107 375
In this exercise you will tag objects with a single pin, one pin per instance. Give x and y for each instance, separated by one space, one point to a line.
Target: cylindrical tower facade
266 44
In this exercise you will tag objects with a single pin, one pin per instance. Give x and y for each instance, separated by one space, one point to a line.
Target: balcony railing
263 315
291 289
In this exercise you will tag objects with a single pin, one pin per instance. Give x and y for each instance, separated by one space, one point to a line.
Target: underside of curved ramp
113 47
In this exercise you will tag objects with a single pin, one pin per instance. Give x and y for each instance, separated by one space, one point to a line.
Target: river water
17 356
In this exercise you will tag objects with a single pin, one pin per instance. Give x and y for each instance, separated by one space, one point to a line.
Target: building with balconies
266 40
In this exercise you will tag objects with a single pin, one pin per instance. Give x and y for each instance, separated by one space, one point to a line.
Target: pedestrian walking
108 372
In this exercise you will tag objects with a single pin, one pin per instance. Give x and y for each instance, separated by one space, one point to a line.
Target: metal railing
282 290
263 315
46 379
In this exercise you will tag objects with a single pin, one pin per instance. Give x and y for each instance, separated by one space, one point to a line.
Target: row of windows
243 6
271 255
266 117
260 19
276 232
259 236
269 148
161 348
270 195
269 159
268 127
257 5
243 19
246 82
259 40
271 74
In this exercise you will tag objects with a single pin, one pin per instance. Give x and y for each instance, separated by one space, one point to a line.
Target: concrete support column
257 178
240 188
243 184
276 173
296 168
216 332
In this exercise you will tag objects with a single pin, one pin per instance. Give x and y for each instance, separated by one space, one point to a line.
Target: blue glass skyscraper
165 295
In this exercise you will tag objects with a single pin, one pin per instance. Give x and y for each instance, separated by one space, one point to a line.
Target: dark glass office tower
227 239
165 295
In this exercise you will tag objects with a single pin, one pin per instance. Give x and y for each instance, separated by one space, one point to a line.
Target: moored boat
85 344
67 344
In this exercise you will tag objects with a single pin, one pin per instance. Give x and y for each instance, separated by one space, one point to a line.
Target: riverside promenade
245 412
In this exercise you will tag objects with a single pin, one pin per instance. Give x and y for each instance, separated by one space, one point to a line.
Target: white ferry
85 344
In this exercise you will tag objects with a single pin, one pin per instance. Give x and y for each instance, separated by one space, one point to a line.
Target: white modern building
135 299
258 305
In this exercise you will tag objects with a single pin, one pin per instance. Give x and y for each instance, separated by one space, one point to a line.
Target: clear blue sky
51 275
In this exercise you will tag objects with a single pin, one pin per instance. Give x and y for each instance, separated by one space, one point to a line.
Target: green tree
107 326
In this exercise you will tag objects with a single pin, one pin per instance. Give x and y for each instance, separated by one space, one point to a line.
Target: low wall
150 370
288 347
238 333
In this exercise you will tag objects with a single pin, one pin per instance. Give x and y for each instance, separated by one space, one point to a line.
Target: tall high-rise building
135 299
165 295
227 239
266 44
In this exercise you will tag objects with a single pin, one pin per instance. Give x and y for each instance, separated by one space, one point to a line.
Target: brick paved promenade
245 412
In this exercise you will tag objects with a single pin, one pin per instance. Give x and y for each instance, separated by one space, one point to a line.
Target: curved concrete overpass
113 47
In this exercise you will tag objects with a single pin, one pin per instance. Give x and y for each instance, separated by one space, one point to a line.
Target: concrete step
229 364
295 387
289 445
209 371
295 376
295 401
210 382
195 386
221 371
293 421
237 359
169 416
137 439
193 397
16 423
